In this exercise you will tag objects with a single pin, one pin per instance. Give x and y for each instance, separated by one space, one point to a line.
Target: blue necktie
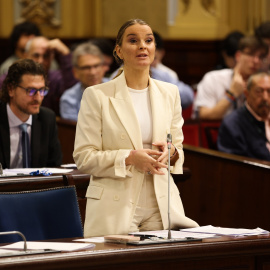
25 146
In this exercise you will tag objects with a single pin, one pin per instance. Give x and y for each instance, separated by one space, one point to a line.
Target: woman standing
121 141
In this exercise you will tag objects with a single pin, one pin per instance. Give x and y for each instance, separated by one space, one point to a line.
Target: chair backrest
209 134
40 214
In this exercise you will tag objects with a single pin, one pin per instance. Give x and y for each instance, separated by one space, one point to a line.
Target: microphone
169 144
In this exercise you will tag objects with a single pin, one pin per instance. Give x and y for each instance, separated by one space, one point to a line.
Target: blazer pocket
94 192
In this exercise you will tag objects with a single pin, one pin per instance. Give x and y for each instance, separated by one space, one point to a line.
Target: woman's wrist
174 153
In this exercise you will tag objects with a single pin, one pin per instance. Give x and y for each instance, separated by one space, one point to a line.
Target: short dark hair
230 43
104 44
158 40
25 28
254 44
15 73
263 30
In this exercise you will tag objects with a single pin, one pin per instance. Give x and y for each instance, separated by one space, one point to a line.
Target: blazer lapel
123 106
4 135
35 140
159 112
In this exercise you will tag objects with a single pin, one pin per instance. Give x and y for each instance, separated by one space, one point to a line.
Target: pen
147 236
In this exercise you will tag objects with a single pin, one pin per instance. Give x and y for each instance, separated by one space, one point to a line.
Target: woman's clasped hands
149 161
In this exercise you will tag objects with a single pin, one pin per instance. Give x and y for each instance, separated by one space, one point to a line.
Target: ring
149 172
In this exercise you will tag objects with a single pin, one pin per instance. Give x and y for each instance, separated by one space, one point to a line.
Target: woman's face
138 46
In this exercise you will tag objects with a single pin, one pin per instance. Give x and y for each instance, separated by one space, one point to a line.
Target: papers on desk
59 246
226 231
174 234
27 171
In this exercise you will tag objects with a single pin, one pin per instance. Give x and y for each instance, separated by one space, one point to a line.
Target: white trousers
147 215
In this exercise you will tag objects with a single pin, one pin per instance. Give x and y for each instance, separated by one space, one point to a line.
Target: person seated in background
22 117
159 55
87 62
229 47
19 36
246 131
222 91
106 47
165 74
263 32
43 51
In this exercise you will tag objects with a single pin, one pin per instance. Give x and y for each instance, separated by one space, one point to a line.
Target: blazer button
123 136
116 197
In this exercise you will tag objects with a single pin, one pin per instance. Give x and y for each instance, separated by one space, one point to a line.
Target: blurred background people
246 131
229 47
106 46
19 36
43 51
222 91
88 69
263 32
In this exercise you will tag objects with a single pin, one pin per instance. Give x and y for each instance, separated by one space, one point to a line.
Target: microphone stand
169 143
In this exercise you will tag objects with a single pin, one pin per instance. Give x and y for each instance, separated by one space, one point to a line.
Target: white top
142 106
16 138
212 88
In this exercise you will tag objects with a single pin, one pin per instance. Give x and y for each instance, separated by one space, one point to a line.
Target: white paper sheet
226 231
174 234
27 171
60 246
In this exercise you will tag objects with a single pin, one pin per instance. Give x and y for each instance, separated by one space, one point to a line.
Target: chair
209 134
40 214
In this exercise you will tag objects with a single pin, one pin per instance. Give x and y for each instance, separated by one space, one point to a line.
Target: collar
14 121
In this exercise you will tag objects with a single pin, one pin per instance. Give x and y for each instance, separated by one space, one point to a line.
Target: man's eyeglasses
261 57
43 91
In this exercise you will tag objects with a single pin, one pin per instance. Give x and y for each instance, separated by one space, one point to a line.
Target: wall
188 19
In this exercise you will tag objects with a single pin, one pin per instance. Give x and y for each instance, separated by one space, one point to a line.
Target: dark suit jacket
45 145
241 134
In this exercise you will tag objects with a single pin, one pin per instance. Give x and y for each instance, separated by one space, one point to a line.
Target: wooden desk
23 183
229 254
226 190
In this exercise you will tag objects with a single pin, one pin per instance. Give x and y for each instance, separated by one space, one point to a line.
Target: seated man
87 62
246 131
43 51
221 91
20 99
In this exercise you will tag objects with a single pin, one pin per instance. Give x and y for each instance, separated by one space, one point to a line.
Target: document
174 234
226 231
28 171
59 246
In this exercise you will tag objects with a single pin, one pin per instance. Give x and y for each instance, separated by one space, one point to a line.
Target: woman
121 141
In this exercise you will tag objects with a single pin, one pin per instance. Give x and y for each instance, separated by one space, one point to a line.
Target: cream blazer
107 129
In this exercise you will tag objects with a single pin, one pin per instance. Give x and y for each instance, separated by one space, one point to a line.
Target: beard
27 109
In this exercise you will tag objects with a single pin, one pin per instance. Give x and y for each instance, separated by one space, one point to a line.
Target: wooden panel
226 190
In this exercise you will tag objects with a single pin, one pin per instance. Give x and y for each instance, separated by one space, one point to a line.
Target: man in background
43 51
263 32
222 91
28 132
88 61
246 131
19 36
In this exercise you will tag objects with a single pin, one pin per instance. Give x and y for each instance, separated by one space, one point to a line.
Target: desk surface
222 253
